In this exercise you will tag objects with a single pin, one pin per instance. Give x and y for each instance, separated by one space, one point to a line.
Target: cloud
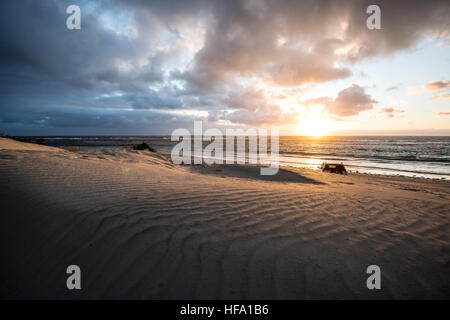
444 113
296 68
349 102
245 38
253 108
102 121
432 86
390 111
396 87
259 118
442 96
436 85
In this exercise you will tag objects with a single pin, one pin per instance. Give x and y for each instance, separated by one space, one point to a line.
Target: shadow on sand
253 172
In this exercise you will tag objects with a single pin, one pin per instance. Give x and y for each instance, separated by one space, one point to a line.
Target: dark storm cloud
133 57
33 34
403 23
76 120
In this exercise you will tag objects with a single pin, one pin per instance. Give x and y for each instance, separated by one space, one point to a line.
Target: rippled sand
141 227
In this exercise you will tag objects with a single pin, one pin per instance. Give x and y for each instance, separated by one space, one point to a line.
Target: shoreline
304 170
400 162
288 167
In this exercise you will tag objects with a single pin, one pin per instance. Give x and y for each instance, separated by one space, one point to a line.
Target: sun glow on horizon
315 126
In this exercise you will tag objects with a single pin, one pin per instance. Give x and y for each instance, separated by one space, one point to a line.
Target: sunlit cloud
390 111
442 96
436 85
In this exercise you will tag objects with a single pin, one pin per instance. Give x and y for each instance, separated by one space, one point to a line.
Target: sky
140 67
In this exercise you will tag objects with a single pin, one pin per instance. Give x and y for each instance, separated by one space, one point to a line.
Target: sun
314 126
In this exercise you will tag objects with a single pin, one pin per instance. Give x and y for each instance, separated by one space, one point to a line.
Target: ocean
418 156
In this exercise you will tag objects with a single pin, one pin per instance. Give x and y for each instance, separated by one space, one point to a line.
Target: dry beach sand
141 227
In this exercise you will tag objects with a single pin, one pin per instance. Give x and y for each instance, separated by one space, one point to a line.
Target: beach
141 227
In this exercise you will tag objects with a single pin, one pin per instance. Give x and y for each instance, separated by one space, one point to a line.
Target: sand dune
141 227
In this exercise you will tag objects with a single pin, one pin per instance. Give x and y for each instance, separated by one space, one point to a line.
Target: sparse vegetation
41 141
144 146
